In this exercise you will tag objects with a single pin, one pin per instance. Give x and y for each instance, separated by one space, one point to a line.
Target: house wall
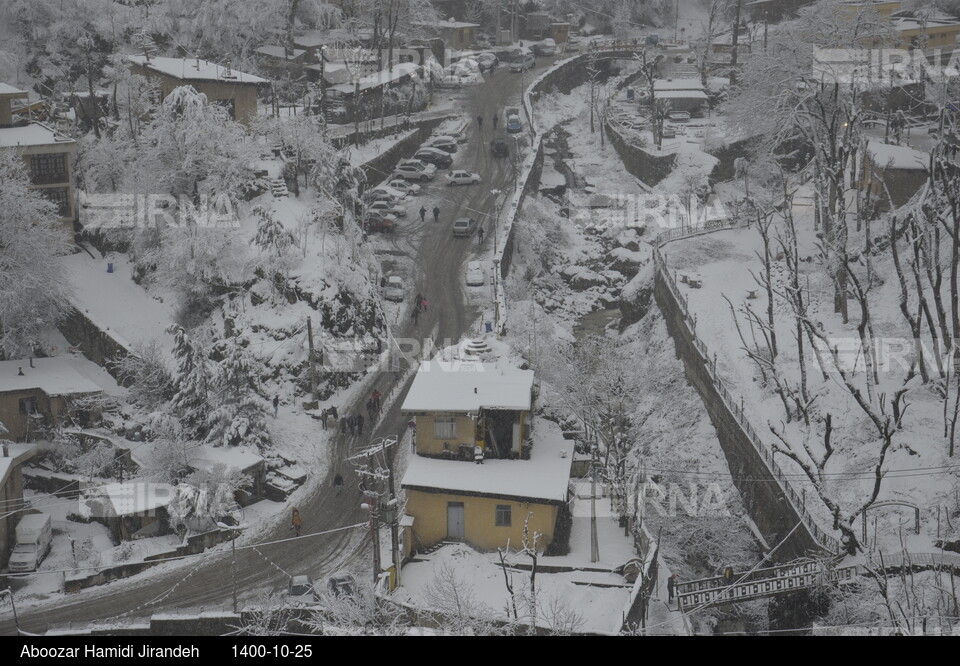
11 494
16 422
243 96
902 184
64 181
479 522
429 445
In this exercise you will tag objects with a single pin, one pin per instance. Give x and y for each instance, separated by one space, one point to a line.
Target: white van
34 538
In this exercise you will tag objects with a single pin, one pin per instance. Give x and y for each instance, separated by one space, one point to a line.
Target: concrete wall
764 500
648 167
97 345
479 520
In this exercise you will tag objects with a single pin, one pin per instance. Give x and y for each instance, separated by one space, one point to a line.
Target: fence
797 500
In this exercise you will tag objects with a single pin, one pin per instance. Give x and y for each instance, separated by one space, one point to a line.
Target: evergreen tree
240 415
191 383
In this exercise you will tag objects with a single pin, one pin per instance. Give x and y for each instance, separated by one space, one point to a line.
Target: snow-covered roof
194 69
543 477
677 84
7 89
683 94
34 134
57 376
207 457
897 157
275 51
133 498
448 24
462 386
379 78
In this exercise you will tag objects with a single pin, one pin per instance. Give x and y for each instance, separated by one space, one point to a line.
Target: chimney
20 371
6 450
474 389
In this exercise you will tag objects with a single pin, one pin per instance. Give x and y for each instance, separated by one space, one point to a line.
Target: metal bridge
762 583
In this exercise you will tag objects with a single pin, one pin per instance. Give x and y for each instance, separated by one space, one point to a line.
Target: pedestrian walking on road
370 407
478 454
359 424
333 412
276 405
436 214
480 123
496 119
352 425
423 213
376 400
343 426
671 587
728 575
480 236
419 302
297 521
338 483
423 304
323 418
415 315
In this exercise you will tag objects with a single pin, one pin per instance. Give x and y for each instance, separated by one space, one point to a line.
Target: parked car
445 143
514 125
448 81
342 585
394 290
401 185
487 61
34 538
475 274
679 116
380 222
434 156
461 177
669 133
524 63
300 590
387 207
499 148
465 226
547 47
384 193
414 172
458 137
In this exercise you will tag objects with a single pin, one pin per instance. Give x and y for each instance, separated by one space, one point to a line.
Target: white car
393 291
461 177
381 192
399 184
415 172
475 274
385 207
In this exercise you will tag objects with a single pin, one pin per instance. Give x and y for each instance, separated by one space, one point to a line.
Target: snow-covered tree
192 382
145 373
239 414
34 287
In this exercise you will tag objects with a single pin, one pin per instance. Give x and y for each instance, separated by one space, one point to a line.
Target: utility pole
594 541
676 22
497 38
233 551
313 360
395 518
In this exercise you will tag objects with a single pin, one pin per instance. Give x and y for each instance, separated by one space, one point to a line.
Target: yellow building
458 407
234 90
882 7
48 156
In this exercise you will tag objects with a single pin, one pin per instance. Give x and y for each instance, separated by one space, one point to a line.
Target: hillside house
901 170
48 155
234 90
455 407
12 458
34 393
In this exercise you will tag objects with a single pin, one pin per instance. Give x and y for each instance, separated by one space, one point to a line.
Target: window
48 168
504 515
444 427
28 405
59 196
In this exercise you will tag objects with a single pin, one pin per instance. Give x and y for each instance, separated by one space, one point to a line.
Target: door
454 520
